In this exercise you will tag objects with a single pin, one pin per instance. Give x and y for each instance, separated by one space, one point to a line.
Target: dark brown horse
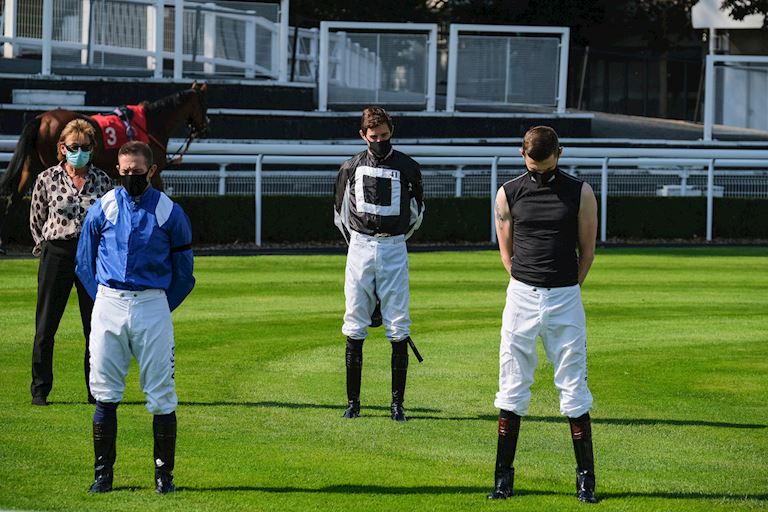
36 149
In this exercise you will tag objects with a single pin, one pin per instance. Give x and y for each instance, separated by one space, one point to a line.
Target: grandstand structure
284 101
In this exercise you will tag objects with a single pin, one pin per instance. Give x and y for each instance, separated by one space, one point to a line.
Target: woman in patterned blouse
61 196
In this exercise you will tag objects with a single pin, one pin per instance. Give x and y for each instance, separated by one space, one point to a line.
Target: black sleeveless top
545 210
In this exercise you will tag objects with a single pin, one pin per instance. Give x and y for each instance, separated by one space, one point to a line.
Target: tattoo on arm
497 213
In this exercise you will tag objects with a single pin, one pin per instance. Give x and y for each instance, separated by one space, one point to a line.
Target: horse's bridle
194 133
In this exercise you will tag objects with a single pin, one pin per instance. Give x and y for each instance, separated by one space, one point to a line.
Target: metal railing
735 96
507 65
303 169
139 34
377 63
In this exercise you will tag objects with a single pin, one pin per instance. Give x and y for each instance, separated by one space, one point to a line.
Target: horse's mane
164 104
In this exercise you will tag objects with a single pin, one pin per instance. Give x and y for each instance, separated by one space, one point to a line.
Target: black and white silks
379 197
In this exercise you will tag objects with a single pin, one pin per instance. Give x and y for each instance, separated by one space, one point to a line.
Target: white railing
377 63
305 56
474 170
507 65
740 94
139 34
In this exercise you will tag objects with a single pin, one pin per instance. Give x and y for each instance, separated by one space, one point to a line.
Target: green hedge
219 220
297 219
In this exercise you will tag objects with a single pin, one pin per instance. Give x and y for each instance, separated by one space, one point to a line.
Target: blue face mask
79 158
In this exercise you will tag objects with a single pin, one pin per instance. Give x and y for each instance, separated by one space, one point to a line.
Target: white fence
386 63
304 169
735 92
505 65
245 39
304 51
351 62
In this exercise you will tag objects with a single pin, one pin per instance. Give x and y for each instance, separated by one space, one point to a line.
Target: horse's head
197 119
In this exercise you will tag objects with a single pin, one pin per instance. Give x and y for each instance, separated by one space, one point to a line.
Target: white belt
382 239
114 293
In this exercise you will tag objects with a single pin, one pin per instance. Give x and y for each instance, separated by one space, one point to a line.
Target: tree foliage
740 9
662 23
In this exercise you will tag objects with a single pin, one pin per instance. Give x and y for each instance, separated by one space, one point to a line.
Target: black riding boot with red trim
581 433
509 430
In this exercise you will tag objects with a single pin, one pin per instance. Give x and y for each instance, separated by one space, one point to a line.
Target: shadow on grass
601 421
289 405
460 489
413 414
684 496
636 421
366 489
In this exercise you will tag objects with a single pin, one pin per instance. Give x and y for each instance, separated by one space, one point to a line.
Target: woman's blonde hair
76 126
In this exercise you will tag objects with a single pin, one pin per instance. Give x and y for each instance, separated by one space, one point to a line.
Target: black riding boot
165 454
399 375
581 433
104 436
509 429
354 363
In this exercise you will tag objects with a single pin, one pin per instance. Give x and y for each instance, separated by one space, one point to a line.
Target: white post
222 179
282 69
368 69
209 38
508 71
159 30
709 97
250 46
710 197
432 70
683 183
342 65
562 89
322 79
354 68
85 29
257 194
178 39
377 73
712 35
151 34
494 187
458 175
604 200
47 37
453 56
313 53
9 29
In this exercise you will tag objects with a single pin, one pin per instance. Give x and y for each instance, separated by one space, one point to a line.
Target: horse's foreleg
12 203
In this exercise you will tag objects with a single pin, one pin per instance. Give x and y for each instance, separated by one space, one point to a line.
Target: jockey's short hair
374 116
540 142
135 148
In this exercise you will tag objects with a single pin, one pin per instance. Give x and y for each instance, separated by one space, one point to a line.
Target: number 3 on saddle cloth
126 123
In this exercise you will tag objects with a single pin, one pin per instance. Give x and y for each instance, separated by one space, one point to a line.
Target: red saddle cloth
113 129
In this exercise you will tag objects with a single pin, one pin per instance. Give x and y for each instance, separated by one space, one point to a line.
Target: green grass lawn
678 359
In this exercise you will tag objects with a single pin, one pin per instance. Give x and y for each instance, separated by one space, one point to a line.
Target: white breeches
557 315
376 267
137 323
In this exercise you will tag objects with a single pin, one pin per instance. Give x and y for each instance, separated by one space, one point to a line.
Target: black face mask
135 184
380 149
542 178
